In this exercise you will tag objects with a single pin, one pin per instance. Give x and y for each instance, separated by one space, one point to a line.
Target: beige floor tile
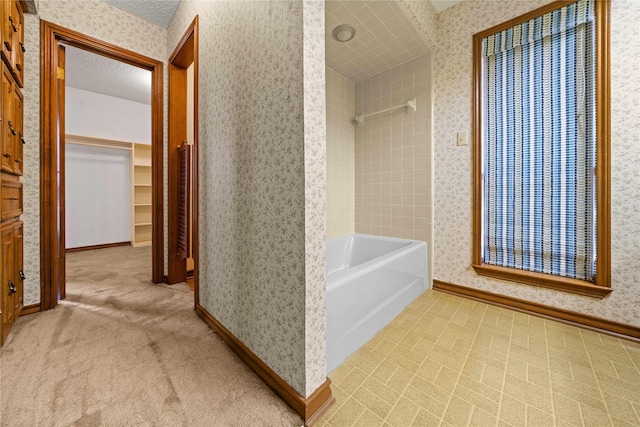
404 413
373 402
425 400
592 417
384 371
453 362
347 414
353 380
368 419
381 390
480 418
458 412
566 410
513 411
425 419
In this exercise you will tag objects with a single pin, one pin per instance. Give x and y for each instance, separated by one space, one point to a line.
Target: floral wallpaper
453 179
94 18
262 160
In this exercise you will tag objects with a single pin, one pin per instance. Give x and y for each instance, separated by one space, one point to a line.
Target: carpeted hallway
122 351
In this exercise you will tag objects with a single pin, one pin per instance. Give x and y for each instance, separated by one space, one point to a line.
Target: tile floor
452 361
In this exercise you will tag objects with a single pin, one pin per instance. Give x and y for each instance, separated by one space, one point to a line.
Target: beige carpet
121 351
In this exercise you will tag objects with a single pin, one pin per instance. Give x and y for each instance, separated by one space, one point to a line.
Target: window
541 148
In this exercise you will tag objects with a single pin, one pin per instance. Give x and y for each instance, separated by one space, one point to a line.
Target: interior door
62 288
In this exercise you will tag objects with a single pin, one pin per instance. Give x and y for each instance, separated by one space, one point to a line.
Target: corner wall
453 165
262 177
94 18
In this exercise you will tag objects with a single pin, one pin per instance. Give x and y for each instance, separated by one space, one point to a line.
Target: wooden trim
565 284
318 402
601 285
603 148
50 36
30 309
102 246
184 55
586 321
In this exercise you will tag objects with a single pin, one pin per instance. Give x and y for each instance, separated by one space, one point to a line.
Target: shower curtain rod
409 104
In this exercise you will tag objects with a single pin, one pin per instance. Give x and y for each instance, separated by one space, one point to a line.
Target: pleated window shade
539 144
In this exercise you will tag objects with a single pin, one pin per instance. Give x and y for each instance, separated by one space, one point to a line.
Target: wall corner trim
581 320
310 409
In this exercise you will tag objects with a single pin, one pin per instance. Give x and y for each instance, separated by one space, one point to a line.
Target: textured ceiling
95 73
384 38
159 12
441 5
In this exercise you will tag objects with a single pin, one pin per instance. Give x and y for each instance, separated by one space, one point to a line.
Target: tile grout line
466 358
595 375
504 376
546 344
416 373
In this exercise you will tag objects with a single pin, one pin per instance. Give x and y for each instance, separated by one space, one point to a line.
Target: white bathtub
370 280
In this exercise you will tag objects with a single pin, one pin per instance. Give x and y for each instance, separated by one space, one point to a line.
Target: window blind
539 144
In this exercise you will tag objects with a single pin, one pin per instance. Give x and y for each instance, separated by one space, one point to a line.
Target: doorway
183 160
52 221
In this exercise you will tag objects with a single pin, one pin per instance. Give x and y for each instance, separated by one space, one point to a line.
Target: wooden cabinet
12 166
11 123
12 276
12 32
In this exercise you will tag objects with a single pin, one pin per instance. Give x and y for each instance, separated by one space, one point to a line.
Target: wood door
6 125
17 131
62 284
18 42
6 27
7 287
18 243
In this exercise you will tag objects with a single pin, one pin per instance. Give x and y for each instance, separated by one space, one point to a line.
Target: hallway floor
451 361
122 351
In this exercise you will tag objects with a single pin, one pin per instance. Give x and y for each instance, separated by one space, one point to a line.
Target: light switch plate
461 138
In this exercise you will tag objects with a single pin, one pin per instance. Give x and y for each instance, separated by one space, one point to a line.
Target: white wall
102 116
98 195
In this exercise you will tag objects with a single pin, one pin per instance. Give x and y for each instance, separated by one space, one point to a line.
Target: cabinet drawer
11 203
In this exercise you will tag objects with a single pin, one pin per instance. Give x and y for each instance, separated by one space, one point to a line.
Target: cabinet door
7 287
17 121
6 28
19 269
6 127
18 42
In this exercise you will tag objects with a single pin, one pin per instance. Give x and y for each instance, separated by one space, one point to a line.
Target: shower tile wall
340 155
393 156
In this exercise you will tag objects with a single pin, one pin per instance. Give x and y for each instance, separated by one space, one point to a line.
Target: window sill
543 280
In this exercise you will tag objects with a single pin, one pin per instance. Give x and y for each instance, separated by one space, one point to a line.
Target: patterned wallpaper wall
340 155
262 166
453 179
93 18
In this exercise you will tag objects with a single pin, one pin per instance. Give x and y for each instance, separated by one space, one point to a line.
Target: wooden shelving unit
141 195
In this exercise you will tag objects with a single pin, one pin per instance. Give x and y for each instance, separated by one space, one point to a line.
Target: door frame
51 282
184 54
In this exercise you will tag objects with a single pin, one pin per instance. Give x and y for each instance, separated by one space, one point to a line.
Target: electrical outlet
461 138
